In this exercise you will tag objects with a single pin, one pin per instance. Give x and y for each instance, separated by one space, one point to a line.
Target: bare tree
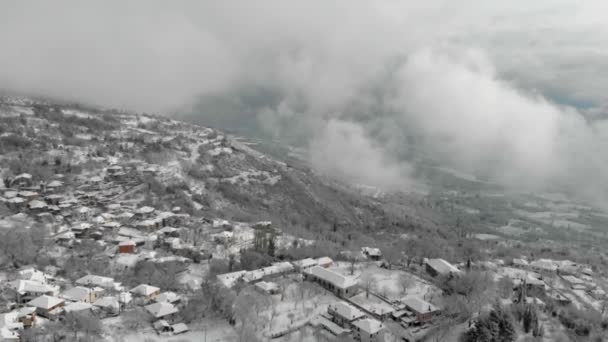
368 282
405 281
392 255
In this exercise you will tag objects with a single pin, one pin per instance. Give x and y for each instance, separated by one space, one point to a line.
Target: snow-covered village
121 233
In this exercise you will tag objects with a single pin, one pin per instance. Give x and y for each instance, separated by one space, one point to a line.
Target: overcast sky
505 87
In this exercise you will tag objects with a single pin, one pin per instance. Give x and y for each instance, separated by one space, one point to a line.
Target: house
534 286
109 305
54 186
344 314
125 217
543 266
162 327
436 267
27 316
115 172
268 288
126 247
168 232
333 328
325 262
28 195
80 230
146 291
21 181
275 269
144 211
81 294
179 328
166 311
520 263
16 203
33 274
149 171
148 225
230 279
37 206
54 199
65 238
168 297
47 306
342 286
597 293
304 264
26 290
373 305
96 281
368 330
423 311
558 297
372 253
574 282
84 213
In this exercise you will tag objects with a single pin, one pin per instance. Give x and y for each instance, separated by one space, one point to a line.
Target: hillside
216 175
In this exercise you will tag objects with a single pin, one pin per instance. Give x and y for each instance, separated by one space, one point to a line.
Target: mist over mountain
372 91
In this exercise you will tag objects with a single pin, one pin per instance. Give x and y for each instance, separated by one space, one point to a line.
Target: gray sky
481 84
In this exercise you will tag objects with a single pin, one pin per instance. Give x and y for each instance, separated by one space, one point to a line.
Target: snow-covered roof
276 268
23 176
145 210
418 305
369 325
305 263
125 297
126 243
30 286
324 261
37 204
346 311
96 280
45 302
442 266
54 184
144 290
544 264
25 311
229 279
78 293
336 279
572 279
169 297
27 193
95 179
372 251
179 328
159 310
33 274
107 302
267 286
10 194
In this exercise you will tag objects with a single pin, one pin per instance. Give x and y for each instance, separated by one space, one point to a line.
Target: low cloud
512 91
